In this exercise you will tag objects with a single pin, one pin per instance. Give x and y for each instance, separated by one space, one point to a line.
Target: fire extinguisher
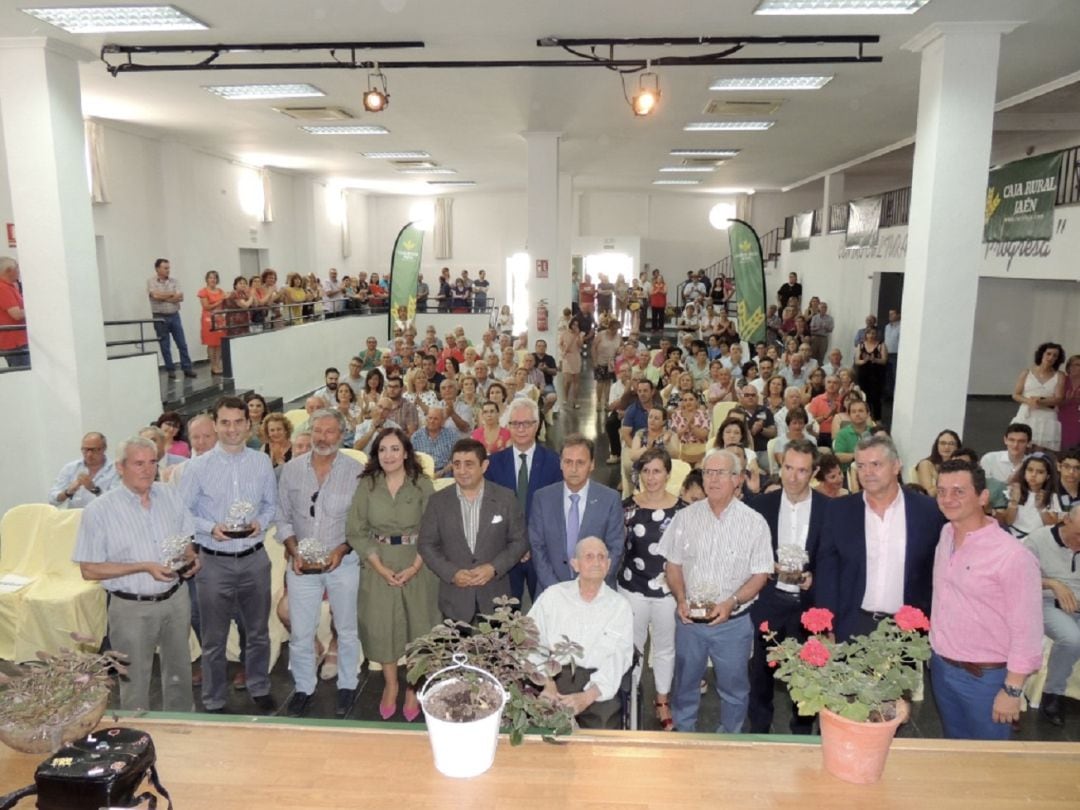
542 315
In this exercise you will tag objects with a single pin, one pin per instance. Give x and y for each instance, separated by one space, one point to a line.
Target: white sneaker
555 409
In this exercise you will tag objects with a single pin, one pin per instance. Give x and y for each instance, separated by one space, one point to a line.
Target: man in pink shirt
987 627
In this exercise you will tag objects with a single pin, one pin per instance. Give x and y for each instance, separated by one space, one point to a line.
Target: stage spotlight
647 96
375 98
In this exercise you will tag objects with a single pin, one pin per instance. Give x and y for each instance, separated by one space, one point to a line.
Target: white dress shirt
886 552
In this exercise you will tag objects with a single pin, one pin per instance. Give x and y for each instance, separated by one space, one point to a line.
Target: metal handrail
141 341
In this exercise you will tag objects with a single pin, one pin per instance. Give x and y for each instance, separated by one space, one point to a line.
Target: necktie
523 481
573 526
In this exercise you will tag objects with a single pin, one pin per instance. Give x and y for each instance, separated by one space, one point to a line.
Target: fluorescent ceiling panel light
839 6
729 126
347 130
704 153
686 168
406 155
251 92
770 83
451 182
104 19
676 182
428 171
730 190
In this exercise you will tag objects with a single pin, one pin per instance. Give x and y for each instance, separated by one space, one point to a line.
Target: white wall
1028 293
32 456
290 362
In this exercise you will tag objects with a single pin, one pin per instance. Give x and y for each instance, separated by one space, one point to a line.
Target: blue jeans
305 602
966 703
171 326
728 646
1064 629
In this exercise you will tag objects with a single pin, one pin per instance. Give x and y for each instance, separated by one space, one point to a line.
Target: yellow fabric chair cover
359 455
296 417
679 470
427 464
443 483
59 602
719 414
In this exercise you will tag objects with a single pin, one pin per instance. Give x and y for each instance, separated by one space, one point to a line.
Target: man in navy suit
795 514
541 468
877 548
576 508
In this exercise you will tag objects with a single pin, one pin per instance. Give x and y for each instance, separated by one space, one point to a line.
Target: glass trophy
314 556
174 554
238 521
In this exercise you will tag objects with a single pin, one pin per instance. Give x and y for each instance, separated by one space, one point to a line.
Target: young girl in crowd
1033 500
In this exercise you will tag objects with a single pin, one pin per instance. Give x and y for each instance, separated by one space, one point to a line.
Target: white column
45 151
834 193
948 188
542 240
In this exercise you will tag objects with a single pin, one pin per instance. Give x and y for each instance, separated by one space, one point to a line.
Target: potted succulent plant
474 672
858 686
56 699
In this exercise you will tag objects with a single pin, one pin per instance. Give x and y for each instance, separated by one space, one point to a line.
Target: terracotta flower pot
854 751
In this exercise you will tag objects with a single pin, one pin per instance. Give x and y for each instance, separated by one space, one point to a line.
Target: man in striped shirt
123 543
236 570
719 556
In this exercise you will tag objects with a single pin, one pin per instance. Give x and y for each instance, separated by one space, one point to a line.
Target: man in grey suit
471 535
564 513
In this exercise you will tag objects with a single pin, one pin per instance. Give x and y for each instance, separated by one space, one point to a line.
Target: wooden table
258 763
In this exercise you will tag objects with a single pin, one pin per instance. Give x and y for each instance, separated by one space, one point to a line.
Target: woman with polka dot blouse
647 515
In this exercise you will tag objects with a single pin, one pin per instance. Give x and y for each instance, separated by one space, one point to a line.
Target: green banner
405 271
1020 200
801 227
749 280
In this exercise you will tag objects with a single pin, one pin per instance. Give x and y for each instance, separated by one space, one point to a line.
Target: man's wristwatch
737 605
1012 691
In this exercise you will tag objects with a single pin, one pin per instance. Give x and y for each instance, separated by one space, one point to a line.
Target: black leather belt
876 615
234 554
155 597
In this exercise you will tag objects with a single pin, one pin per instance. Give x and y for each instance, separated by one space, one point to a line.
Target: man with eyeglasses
1057 549
759 419
988 620
877 547
401 411
314 496
79 482
524 467
719 557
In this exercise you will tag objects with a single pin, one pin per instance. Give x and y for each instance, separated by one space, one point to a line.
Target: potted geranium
858 686
496 665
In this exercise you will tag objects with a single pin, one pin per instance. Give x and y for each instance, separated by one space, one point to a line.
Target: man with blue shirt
123 542
236 570
80 481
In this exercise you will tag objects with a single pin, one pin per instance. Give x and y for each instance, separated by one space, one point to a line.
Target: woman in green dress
398 593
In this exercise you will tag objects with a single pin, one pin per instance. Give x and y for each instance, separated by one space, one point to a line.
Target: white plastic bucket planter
462 749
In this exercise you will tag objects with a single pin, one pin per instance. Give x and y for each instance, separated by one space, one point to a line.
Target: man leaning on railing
13 341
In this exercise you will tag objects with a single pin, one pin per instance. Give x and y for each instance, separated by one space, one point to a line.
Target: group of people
462 294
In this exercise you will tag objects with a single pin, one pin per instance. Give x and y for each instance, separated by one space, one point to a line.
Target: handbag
103 769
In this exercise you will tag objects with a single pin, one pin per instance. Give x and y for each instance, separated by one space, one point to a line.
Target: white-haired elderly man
719 556
13 342
587 611
128 539
314 496
437 439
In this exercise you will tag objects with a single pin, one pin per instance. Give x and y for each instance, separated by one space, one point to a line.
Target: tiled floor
982 430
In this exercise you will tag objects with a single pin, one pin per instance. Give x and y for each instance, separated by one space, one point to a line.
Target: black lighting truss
585 53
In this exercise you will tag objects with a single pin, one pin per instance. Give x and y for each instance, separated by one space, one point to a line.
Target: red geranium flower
818 620
774 664
814 653
911 618
764 627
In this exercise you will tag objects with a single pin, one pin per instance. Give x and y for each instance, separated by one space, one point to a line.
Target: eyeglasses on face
522 425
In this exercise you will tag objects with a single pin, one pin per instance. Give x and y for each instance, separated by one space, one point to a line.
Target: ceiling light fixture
704 153
376 99
686 168
770 83
451 182
432 170
104 19
676 182
729 126
647 97
251 92
839 6
405 155
346 130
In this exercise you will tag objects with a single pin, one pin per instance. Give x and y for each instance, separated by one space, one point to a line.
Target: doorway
890 295
253 261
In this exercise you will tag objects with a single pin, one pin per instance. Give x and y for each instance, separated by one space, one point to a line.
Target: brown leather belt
971 667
